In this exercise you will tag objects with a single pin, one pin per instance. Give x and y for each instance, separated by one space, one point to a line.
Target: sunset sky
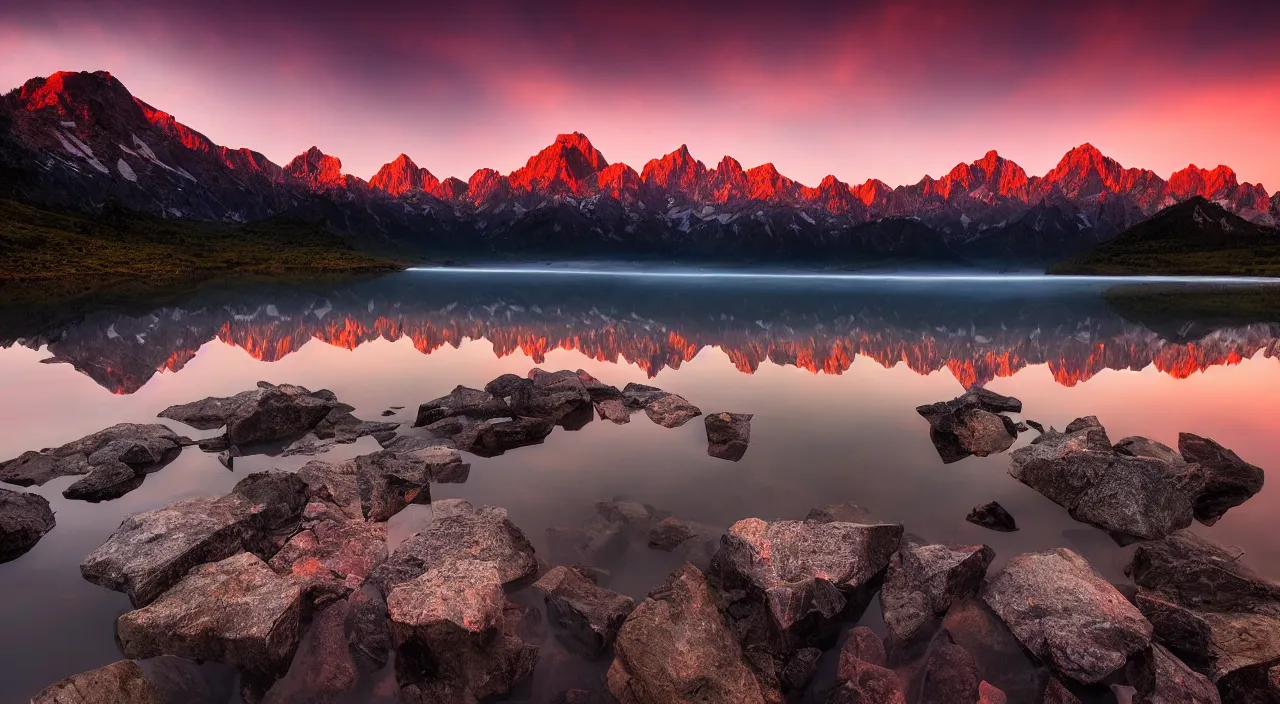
887 90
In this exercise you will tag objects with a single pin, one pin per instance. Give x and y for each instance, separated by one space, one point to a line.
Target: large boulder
598 390
1227 480
1161 678
861 675
676 648
140 448
449 625
462 402
551 395
1066 615
368 630
1001 658
24 520
801 571
469 533
1130 495
333 554
613 410
265 414
951 674
235 611
151 551
923 581
971 424
588 615
109 480
1208 608
162 680
728 435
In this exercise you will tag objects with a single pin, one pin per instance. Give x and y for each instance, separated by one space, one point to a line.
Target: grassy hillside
71 250
1193 238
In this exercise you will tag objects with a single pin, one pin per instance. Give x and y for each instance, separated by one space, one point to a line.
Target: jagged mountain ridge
81 140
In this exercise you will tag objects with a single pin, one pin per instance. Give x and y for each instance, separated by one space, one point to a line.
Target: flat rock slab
163 680
675 648
589 615
1066 615
236 611
923 581
462 402
151 551
598 390
803 566
492 437
613 410
1205 605
141 447
24 520
466 533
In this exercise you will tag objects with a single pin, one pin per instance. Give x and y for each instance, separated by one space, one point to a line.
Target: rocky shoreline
288 578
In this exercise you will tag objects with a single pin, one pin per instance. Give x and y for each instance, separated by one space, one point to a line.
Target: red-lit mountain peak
486 185
765 183
401 176
73 94
1084 171
873 193
619 181
677 172
986 179
450 189
833 195
728 181
1195 181
564 168
317 169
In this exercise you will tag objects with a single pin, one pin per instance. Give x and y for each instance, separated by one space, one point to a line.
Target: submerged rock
675 648
1227 480
367 630
462 402
861 675
603 537
24 520
923 581
671 532
322 669
994 516
151 551
141 448
162 680
589 615
469 533
1130 495
265 414
1161 678
1066 615
728 435
1212 611
235 611
339 428
450 626
951 674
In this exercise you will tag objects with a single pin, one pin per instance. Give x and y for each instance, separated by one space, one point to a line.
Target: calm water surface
832 370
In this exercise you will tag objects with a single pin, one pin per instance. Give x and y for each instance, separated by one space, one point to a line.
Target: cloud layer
879 89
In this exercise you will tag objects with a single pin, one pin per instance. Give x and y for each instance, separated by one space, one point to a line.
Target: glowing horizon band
815 276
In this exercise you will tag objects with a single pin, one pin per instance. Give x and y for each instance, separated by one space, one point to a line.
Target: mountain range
82 140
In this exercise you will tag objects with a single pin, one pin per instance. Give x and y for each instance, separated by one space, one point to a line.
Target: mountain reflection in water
977 331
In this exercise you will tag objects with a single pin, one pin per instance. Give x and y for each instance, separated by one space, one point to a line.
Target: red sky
887 90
